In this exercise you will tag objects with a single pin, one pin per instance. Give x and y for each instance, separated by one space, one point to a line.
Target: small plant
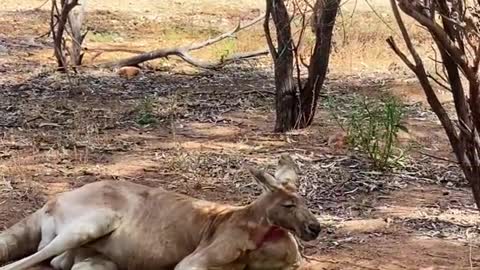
372 128
228 48
145 115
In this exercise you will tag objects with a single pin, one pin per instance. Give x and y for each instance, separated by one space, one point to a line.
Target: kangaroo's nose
314 227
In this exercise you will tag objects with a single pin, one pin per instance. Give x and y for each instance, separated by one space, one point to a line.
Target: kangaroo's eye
288 205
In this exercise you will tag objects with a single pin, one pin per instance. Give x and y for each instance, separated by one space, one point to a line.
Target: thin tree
67 17
75 21
454 29
296 99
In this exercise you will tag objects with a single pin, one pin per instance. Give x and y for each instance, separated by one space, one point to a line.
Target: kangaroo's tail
21 239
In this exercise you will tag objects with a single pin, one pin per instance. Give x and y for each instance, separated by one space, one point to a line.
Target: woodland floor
59 132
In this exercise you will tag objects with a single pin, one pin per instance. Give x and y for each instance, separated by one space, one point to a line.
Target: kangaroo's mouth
310 231
308 236
306 232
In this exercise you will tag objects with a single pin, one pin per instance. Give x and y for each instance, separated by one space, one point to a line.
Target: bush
145 114
372 127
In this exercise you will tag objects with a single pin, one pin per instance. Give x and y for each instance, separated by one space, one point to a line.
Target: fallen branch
437 157
183 52
104 49
40 7
224 61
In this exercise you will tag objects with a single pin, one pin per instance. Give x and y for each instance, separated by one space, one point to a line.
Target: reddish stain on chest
274 233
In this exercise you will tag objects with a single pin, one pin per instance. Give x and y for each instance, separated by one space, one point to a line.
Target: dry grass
360 33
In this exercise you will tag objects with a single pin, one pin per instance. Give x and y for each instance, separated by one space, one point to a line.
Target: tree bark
75 20
286 98
325 14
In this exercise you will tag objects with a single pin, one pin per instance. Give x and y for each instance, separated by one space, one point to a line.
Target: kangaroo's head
282 204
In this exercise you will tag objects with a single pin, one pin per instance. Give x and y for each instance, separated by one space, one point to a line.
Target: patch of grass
372 127
107 37
226 48
145 114
181 32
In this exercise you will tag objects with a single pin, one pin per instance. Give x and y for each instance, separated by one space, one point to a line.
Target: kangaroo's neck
260 228
253 219
257 210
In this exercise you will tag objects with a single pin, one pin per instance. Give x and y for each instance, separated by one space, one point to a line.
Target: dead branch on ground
183 52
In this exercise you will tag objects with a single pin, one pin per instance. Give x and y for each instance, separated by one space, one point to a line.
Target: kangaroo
117 225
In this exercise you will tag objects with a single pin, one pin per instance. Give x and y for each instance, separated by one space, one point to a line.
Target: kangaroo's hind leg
82 259
88 259
95 263
63 261
79 232
48 230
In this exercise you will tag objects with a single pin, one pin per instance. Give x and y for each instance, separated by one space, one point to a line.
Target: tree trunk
296 102
286 99
58 20
473 178
325 14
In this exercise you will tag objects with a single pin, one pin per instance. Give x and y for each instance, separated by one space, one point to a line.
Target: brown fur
129 72
130 226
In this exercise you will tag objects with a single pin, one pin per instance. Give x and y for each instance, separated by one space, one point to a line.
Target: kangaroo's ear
265 180
287 171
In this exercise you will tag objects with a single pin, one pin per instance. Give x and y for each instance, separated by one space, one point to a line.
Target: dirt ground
59 132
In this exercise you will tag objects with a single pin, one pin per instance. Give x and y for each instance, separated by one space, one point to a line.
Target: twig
436 157
421 74
223 36
444 76
436 30
393 45
344 29
58 28
43 4
444 86
296 47
380 17
302 251
467 234
266 28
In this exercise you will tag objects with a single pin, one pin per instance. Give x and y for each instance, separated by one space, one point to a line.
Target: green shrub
372 127
226 48
145 114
